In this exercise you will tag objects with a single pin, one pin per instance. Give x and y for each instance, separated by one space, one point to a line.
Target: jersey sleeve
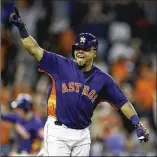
13 118
113 95
50 63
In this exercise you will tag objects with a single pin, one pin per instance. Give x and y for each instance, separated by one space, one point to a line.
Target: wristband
135 120
23 32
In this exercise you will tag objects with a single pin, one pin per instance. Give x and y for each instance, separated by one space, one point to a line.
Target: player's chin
81 63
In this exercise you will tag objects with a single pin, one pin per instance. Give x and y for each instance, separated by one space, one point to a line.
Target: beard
81 62
81 66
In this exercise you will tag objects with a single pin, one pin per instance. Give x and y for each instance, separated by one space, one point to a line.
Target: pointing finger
16 11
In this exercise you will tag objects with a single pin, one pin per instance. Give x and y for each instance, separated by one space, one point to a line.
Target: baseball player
77 88
30 127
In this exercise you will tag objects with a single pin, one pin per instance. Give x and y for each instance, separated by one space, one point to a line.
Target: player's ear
95 53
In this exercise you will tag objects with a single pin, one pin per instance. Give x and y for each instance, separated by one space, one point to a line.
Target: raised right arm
32 47
48 62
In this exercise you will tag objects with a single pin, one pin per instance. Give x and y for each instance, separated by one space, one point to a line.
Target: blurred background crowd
127 35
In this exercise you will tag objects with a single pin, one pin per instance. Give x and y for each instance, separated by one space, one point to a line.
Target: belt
58 123
55 121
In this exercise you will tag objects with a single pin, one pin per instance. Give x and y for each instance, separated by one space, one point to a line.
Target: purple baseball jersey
74 94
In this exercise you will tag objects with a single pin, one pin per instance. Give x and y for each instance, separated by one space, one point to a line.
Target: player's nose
80 51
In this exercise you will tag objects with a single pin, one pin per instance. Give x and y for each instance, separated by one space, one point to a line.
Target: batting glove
15 19
142 133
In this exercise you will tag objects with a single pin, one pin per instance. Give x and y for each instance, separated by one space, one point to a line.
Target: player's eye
82 48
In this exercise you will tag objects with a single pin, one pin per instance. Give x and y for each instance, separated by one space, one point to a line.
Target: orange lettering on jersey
64 88
71 87
91 94
94 98
77 85
85 90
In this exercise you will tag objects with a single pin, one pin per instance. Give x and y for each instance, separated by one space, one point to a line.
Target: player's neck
87 67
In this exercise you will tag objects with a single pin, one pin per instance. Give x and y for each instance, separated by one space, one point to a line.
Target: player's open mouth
80 59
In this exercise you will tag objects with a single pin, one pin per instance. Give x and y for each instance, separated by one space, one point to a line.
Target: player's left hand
142 133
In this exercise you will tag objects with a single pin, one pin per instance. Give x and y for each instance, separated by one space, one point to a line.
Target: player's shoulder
46 52
59 57
104 75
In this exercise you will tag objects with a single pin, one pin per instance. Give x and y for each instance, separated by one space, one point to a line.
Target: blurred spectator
155 110
114 134
128 11
66 39
5 98
61 20
78 9
97 147
150 10
21 88
43 22
96 22
29 11
6 139
119 70
145 88
145 85
119 32
99 62
120 37
29 127
8 58
94 18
